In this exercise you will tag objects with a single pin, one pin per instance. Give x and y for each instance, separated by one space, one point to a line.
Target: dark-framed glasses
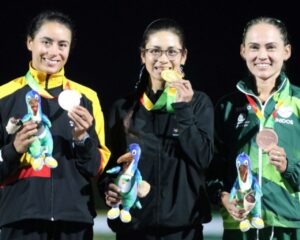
157 52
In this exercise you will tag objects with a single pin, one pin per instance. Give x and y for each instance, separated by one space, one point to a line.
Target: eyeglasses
157 52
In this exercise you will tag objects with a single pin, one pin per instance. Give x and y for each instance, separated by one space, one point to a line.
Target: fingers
112 196
82 120
25 136
277 157
278 160
183 85
81 116
237 213
184 90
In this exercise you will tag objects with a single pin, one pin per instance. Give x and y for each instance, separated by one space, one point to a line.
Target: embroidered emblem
285 112
241 121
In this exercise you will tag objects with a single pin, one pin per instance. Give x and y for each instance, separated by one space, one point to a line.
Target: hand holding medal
69 100
267 140
183 87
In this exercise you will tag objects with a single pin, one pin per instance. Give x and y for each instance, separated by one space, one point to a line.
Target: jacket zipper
260 153
52 188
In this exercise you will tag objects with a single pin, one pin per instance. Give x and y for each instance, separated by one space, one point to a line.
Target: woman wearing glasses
176 140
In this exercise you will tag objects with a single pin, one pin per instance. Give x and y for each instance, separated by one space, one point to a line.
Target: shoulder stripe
12 86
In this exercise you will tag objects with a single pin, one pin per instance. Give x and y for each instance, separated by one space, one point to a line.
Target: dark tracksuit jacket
63 193
176 149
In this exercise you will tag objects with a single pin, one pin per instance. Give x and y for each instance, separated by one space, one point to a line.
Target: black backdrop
106 56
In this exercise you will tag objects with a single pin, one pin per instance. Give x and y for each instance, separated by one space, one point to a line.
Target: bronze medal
266 137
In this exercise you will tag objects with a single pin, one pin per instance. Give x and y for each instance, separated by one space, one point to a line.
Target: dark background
106 56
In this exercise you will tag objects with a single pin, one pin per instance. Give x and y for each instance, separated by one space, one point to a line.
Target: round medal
170 75
266 137
68 99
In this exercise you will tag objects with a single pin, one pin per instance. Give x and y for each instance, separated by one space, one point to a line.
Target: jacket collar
247 85
52 81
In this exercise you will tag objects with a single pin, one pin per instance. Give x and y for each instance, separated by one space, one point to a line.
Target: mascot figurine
40 151
129 180
247 192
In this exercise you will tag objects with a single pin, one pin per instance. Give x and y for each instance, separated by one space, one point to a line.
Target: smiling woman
50 47
48 202
268 132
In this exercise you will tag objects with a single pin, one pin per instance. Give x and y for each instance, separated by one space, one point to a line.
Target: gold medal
170 75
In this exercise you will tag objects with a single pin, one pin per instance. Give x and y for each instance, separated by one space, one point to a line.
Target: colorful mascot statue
247 192
129 180
40 151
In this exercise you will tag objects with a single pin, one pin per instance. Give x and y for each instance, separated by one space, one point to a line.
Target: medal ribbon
259 114
166 99
280 96
34 85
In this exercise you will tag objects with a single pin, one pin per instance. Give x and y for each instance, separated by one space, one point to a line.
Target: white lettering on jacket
284 121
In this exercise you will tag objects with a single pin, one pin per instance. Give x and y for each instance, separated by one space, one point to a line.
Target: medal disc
266 137
68 99
170 75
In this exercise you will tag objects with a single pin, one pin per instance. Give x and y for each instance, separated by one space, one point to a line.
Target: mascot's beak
243 172
126 159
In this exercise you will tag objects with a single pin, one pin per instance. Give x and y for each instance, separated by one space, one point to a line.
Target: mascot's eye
133 152
36 96
246 162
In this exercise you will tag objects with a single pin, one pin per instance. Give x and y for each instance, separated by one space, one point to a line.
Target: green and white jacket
236 127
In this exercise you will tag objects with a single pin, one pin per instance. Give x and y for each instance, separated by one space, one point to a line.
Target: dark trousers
46 230
164 234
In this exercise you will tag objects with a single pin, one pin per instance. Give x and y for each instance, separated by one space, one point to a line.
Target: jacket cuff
9 153
290 169
84 147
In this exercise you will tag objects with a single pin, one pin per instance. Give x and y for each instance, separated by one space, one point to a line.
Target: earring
181 70
140 77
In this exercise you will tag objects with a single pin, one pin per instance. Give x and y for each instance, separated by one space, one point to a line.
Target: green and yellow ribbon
165 100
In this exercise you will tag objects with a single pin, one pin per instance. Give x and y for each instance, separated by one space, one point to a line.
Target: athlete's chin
51 70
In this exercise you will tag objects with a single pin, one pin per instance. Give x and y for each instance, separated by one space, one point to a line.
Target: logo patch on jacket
175 132
242 120
284 112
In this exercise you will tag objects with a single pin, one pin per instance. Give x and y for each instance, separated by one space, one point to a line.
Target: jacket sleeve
115 140
216 174
93 155
292 173
195 125
9 157
9 161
